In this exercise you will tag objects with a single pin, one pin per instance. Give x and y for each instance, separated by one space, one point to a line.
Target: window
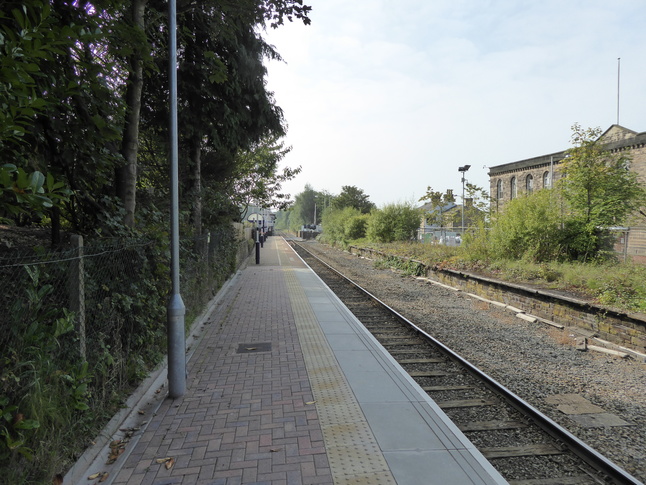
499 193
547 181
529 184
512 195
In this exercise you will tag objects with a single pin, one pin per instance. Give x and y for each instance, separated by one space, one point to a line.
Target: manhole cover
254 347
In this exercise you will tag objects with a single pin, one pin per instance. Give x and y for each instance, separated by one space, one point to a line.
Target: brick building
513 179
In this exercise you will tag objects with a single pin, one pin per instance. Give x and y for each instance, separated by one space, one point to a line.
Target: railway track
524 445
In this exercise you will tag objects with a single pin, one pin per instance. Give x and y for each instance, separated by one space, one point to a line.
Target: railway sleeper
574 480
421 361
430 373
406 352
490 425
393 342
466 403
447 388
394 336
540 449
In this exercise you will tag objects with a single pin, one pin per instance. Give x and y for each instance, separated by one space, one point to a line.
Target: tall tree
598 185
352 196
224 106
133 28
599 190
307 208
63 107
257 179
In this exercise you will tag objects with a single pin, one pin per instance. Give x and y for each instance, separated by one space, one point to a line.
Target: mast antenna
618 78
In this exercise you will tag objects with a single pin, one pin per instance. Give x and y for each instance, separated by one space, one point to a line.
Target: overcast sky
392 97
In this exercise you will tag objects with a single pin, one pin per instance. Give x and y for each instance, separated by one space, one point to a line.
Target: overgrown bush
395 222
528 228
343 225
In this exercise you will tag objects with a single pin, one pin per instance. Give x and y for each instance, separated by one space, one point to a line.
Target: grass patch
618 285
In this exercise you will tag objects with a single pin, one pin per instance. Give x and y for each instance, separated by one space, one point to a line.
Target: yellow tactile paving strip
353 452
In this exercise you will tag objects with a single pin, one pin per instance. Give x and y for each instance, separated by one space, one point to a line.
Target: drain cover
254 347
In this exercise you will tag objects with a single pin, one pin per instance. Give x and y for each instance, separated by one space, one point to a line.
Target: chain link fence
95 312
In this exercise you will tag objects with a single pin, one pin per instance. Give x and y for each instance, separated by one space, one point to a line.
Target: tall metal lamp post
176 309
463 170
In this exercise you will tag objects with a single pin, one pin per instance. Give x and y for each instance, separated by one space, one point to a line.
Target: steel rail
588 454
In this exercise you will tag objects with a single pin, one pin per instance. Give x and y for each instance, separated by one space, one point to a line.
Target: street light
463 170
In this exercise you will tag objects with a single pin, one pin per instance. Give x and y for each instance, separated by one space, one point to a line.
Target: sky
393 97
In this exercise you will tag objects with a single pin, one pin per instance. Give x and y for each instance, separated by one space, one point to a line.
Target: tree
133 27
307 209
343 225
599 189
439 203
63 108
477 210
598 185
78 80
225 108
352 196
395 222
257 179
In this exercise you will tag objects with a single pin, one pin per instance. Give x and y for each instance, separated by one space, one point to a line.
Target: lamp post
176 309
463 170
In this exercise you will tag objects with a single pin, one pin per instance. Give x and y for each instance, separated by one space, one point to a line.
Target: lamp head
464 169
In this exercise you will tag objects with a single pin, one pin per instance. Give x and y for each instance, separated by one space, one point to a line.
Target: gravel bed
534 361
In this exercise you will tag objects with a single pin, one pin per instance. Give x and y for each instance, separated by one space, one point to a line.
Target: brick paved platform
286 387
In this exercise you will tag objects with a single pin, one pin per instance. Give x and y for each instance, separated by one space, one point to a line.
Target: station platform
285 386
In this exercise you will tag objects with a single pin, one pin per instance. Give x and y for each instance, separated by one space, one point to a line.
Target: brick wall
619 328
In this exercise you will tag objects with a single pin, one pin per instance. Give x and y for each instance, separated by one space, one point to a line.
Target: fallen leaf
274 450
251 348
93 476
141 412
104 477
170 463
311 402
162 460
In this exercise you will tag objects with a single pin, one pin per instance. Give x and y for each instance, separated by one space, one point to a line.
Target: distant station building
511 180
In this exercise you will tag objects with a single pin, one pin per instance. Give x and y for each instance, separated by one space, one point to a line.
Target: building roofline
639 139
535 162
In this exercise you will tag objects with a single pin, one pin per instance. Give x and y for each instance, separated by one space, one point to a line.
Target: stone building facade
513 179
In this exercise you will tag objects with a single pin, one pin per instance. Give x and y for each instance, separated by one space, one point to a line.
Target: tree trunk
196 156
126 175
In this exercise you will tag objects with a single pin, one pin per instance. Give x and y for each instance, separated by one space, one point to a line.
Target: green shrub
395 222
343 225
528 228
355 227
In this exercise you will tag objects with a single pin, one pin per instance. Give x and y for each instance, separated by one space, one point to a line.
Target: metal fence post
77 290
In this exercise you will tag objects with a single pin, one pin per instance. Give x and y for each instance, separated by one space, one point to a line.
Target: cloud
394 100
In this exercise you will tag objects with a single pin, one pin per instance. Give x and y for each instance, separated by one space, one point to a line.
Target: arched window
529 184
547 181
499 193
512 194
